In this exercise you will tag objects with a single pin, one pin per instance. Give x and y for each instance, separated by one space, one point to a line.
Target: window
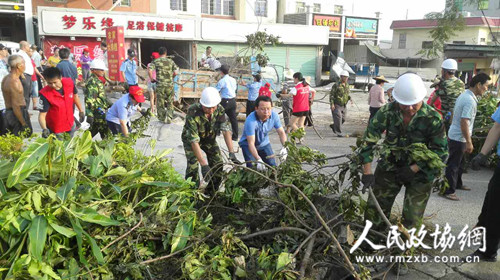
459 42
338 9
402 41
300 7
261 8
125 3
178 5
217 7
427 45
482 40
317 8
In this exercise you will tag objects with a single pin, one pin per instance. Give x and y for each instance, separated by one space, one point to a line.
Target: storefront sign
92 23
116 51
361 26
331 21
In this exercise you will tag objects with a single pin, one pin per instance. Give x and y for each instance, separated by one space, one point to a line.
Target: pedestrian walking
96 102
254 142
104 49
16 115
339 96
85 60
28 71
204 121
227 87
66 67
406 121
54 59
119 115
38 59
4 71
286 103
253 92
57 102
312 94
166 69
376 98
152 81
460 133
129 69
491 206
300 106
449 90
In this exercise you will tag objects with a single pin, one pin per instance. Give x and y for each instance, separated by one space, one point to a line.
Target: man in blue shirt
119 115
253 92
460 133
68 70
490 213
227 87
129 69
255 139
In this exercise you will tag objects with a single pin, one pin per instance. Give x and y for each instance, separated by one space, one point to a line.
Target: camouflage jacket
425 127
340 94
96 102
449 90
165 68
198 128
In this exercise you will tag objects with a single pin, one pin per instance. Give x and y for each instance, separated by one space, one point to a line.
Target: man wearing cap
376 97
57 101
152 80
96 102
28 72
129 69
4 71
119 115
166 69
339 96
227 87
85 60
406 121
204 121
449 89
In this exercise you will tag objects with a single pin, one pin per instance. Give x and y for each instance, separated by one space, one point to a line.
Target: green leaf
48 270
91 216
96 251
68 232
284 259
37 201
3 190
64 190
183 231
119 171
29 160
79 240
73 269
37 236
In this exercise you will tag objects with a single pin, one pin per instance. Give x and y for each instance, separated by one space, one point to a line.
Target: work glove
90 120
368 181
405 175
232 157
45 133
478 161
205 169
283 154
82 116
144 112
261 166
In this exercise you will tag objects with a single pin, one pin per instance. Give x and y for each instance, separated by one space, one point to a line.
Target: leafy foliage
255 50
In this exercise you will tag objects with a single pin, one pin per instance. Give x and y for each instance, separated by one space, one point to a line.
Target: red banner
116 51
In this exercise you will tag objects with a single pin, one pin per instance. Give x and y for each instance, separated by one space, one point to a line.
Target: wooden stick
124 235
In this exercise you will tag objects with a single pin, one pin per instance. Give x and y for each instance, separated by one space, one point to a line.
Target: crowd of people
446 131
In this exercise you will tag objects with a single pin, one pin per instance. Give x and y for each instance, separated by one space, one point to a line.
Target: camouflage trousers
214 157
165 101
100 126
386 189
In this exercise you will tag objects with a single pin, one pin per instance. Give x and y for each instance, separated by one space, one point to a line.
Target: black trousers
230 107
373 111
13 125
454 166
3 124
250 107
27 84
490 214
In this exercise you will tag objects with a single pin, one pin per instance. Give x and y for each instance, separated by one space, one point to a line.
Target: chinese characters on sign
331 21
115 38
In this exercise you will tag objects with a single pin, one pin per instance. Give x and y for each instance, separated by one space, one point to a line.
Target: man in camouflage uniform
166 69
339 95
449 90
204 121
406 121
96 102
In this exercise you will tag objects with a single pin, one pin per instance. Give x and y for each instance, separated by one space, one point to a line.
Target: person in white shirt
4 71
28 71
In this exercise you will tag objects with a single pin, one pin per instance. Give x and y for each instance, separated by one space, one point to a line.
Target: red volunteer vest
60 115
301 99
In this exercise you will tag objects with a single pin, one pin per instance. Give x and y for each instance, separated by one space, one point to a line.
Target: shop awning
398 54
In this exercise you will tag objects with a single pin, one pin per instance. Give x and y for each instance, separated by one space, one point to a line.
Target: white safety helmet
344 73
409 89
450 64
210 97
98 65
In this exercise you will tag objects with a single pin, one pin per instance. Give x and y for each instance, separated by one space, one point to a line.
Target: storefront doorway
179 50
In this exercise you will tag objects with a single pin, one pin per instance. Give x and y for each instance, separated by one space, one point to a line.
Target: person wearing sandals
460 133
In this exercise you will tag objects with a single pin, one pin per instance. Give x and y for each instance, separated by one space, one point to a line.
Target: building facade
16 21
490 8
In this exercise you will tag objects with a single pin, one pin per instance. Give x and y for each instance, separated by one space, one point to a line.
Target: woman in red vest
300 107
57 104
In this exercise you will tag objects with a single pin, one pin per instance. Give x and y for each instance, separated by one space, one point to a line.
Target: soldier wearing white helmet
449 89
204 121
96 102
339 96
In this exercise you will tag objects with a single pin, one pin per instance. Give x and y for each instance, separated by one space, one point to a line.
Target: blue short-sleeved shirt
253 90
130 68
496 118
68 70
123 109
465 108
227 87
259 129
